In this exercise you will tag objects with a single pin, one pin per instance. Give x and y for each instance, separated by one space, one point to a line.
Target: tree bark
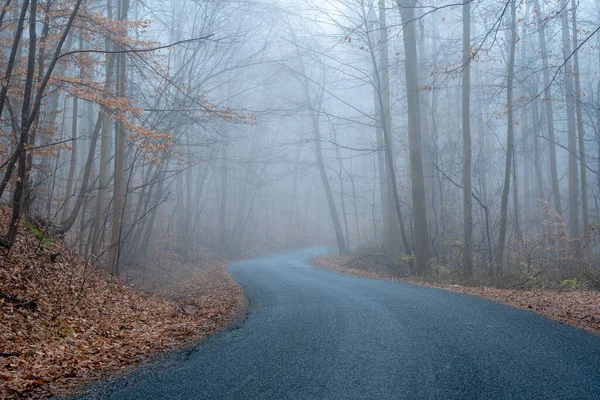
4 90
510 147
69 218
581 136
313 106
537 159
18 197
73 162
574 231
393 216
11 58
467 155
101 199
549 108
118 196
414 139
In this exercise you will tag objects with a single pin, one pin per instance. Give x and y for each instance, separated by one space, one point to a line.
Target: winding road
315 334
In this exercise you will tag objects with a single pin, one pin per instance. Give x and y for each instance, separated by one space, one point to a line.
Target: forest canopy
442 134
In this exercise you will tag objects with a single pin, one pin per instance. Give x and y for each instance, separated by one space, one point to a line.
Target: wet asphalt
316 334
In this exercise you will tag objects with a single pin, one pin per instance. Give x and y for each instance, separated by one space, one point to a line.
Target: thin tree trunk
392 201
342 190
118 197
525 135
509 141
313 106
4 90
342 248
526 167
224 199
382 175
102 200
574 231
537 159
414 139
73 162
69 219
355 205
11 58
467 156
581 136
3 13
392 204
549 109
37 103
18 197
294 202
46 171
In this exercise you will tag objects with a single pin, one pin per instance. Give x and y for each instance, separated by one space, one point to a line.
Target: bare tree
466 125
510 146
414 138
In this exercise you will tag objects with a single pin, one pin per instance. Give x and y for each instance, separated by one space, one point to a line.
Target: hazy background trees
448 136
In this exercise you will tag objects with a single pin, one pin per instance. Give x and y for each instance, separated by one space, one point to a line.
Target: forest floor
64 323
578 308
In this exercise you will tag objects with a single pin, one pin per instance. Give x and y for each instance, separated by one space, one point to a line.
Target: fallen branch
521 284
28 304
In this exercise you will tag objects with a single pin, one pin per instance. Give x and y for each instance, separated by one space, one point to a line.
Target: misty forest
444 141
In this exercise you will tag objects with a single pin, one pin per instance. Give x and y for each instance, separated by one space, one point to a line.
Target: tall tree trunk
355 204
467 156
510 147
37 103
3 12
392 204
4 90
46 171
549 108
574 231
42 47
525 134
118 196
189 210
537 159
341 242
342 190
73 162
382 174
294 202
526 166
69 218
153 211
12 56
102 201
581 136
426 132
313 108
18 197
598 137
414 139
224 198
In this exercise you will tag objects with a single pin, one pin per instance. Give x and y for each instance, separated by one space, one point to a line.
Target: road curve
315 334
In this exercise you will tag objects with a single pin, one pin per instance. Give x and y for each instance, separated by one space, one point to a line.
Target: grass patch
38 234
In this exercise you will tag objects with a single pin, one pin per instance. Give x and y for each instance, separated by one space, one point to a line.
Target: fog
148 130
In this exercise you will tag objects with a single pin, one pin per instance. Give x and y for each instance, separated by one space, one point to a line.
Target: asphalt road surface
315 334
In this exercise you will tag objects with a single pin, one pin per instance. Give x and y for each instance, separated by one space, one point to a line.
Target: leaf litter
64 322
